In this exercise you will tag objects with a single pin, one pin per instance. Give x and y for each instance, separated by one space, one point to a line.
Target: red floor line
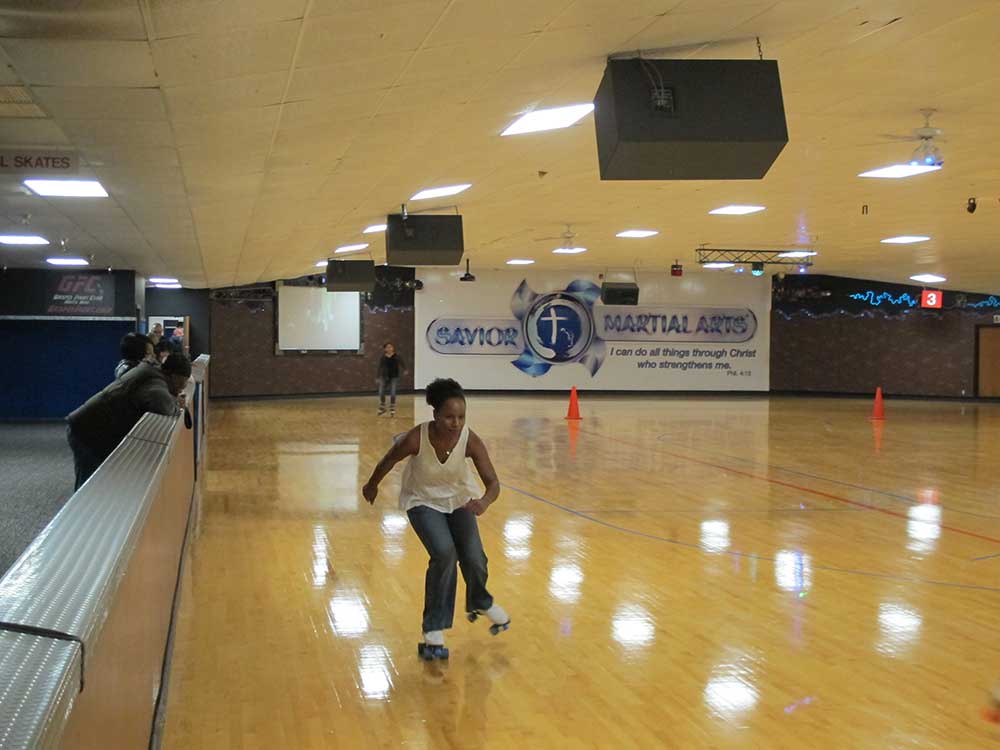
790 485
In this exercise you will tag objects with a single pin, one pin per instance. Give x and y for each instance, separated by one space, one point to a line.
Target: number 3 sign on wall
931 298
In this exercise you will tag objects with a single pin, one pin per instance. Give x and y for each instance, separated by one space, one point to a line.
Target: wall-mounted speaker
424 240
619 293
350 276
689 119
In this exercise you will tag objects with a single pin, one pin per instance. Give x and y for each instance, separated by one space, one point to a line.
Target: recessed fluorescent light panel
569 250
374 228
905 239
168 286
519 262
797 254
441 192
67 188
162 280
928 278
351 248
714 266
67 262
736 210
898 171
22 239
637 233
322 264
549 119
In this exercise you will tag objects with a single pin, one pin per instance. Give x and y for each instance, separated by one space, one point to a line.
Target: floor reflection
375 671
899 626
793 571
633 627
731 689
923 527
517 537
565 580
348 615
715 536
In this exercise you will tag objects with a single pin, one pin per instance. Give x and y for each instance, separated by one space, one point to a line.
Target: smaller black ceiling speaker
424 240
468 275
689 119
619 293
350 276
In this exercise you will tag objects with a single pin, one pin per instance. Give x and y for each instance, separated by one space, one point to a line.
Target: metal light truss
767 257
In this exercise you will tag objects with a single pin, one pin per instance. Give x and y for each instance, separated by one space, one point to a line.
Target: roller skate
433 646
392 411
381 410
497 616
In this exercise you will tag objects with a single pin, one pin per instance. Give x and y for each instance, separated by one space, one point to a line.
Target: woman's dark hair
177 364
161 346
133 346
443 389
388 343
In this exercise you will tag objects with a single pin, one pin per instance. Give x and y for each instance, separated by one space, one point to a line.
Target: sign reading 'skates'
39 163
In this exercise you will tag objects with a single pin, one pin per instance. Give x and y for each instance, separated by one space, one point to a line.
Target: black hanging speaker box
350 276
618 293
424 240
689 119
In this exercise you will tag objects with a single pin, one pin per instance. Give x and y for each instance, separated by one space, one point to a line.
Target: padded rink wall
86 611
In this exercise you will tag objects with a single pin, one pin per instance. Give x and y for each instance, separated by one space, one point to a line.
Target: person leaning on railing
135 348
95 429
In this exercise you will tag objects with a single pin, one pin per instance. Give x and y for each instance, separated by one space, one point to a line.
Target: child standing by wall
390 369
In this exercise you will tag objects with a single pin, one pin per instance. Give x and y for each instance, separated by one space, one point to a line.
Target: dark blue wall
49 367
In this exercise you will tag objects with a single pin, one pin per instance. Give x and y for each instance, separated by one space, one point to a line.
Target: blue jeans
391 383
450 538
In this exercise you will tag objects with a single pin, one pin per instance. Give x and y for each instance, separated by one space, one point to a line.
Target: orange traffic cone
574 405
574 434
878 425
878 410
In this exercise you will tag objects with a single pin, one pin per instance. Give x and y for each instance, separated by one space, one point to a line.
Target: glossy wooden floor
681 573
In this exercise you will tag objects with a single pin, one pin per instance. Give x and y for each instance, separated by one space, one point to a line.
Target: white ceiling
242 140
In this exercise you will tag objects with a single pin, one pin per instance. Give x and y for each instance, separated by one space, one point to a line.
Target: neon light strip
875 300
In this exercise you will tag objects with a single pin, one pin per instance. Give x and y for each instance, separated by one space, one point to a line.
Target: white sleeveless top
441 486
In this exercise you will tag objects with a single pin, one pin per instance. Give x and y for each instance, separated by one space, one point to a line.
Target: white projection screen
311 318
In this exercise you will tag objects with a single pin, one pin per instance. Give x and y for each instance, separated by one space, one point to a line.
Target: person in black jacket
161 350
135 348
390 368
96 428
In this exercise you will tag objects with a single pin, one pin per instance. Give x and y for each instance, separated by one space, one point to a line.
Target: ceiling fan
567 244
925 133
927 137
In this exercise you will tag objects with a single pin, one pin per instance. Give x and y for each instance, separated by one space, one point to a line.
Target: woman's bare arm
408 445
481 458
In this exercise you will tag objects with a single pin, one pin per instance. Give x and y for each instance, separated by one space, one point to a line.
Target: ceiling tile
76 62
254 127
58 19
31 132
189 17
347 77
155 133
92 103
468 20
360 35
230 94
243 52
